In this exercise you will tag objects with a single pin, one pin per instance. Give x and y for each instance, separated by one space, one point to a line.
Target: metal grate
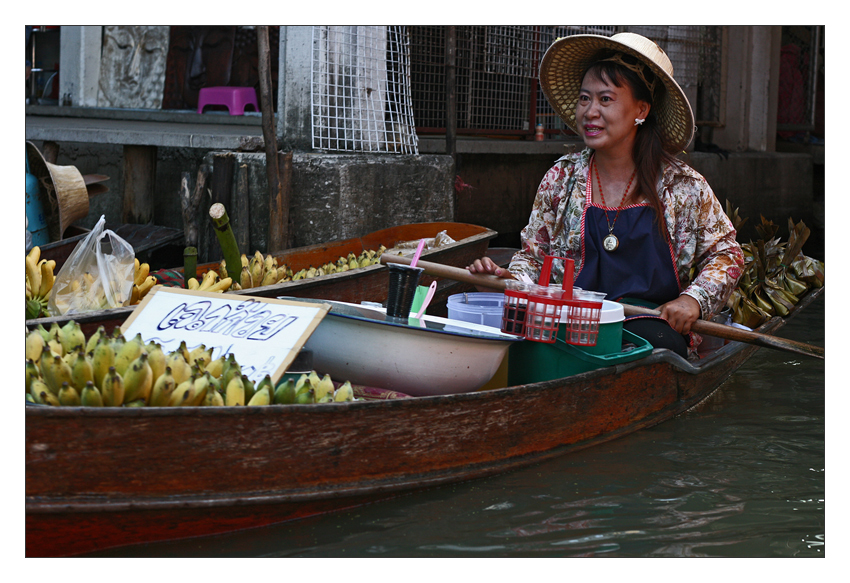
497 88
361 90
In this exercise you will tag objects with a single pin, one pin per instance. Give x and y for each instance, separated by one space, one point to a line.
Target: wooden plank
139 183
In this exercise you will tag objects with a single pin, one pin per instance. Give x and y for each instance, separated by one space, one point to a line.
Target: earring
639 121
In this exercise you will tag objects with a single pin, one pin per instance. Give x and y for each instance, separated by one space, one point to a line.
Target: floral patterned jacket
702 236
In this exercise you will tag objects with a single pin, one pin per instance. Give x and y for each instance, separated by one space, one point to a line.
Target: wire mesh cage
497 67
360 90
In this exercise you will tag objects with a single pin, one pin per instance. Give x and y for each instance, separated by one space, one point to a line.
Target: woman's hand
681 313
487 266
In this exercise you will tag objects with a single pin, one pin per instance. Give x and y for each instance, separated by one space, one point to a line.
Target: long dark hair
648 152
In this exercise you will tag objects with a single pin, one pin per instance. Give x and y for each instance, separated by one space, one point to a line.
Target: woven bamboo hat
62 190
567 59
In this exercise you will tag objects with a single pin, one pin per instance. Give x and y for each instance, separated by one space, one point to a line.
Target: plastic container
608 330
478 307
403 282
533 362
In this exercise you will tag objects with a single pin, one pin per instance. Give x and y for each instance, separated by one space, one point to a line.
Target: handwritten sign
264 334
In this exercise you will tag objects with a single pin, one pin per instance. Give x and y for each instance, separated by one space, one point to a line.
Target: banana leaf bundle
806 271
737 221
745 311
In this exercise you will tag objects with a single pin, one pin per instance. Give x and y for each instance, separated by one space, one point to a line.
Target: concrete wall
334 196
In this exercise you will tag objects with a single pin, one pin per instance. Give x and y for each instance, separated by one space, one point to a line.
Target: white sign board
264 334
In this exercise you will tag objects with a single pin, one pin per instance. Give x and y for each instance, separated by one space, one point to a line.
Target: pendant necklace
610 243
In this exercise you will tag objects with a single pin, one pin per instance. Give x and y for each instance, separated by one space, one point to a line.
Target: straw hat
566 60
62 191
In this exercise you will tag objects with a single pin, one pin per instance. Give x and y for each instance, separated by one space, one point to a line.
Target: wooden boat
106 477
365 283
143 238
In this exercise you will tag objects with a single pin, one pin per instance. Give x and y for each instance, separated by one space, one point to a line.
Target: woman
640 225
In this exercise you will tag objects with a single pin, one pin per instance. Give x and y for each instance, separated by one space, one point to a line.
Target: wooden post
285 162
241 204
451 106
278 206
190 201
139 184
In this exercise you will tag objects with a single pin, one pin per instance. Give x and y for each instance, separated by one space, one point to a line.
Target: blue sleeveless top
642 266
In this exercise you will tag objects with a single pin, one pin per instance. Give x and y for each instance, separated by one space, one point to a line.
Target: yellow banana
221 285
163 388
35 254
344 393
198 352
256 267
136 403
142 273
184 394
62 372
130 351
270 276
268 262
261 397
45 397
193 283
82 371
36 387
55 347
216 367
213 399
112 390
33 275
68 396
207 280
146 286
234 392
71 336
47 279
90 397
202 386
178 365
134 295
222 269
138 380
231 369
35 345
324 387
245 279
244 259
156 358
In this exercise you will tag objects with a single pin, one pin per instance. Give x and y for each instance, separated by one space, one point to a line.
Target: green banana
68 396
249 388
82 370
231 369
48 371
130 351
71 336
213 398
284 394
103 357
136 403
138 379
90 396
62 371
306 396
32 373
265 382
94 339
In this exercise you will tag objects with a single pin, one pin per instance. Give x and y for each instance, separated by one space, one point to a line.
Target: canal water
742 475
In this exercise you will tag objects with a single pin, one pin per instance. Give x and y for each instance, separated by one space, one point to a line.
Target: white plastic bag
98 275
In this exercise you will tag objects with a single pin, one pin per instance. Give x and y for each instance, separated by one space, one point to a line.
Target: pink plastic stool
234 98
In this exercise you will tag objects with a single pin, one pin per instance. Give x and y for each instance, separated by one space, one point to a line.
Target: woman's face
605 115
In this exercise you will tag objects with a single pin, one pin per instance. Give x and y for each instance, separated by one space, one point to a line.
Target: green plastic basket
533 362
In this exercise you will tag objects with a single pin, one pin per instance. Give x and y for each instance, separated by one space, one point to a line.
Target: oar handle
737 334
700 326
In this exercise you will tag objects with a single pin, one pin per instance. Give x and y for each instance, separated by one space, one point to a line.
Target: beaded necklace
610 243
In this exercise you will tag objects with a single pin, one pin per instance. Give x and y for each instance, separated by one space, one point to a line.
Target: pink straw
418 252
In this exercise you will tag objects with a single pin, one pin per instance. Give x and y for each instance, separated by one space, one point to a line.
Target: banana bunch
351 261
311 388
142 282
211 282
40 280
108 370
63 367
257 271
776 273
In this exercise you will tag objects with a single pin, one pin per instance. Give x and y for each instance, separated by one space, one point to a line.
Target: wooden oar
700 326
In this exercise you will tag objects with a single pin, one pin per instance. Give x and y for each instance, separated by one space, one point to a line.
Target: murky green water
741 476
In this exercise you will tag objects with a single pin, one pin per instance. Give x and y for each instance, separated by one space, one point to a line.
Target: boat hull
103 478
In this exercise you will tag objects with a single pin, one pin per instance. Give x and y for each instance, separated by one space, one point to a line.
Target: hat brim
69 200
566 60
